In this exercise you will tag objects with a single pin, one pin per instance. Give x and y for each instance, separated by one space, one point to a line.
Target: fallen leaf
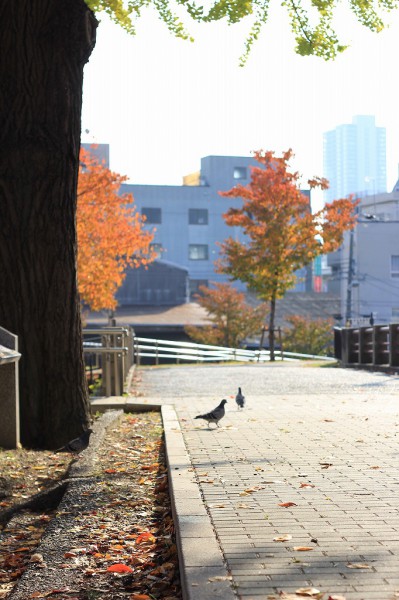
287 504
303 548
140 597
145 537
358 566
326 465
283 538
308 591
306 485
119 568
335 597
220 578
153 467
36 558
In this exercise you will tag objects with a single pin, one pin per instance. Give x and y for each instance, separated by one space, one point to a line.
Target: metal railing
112 349
376 345
157 351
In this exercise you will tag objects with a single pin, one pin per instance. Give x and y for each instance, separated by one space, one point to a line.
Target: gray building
369 278
188 226
355 159
160 283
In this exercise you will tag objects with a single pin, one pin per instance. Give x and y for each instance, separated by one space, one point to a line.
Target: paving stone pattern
325 440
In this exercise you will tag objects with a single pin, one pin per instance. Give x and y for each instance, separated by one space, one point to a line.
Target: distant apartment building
354 163
355 159
370 258
188 227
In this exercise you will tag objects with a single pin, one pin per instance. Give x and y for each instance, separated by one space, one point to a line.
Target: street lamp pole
348 312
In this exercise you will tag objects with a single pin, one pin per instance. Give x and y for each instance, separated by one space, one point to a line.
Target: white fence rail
157 350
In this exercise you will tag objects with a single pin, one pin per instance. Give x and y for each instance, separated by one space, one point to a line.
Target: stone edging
200 557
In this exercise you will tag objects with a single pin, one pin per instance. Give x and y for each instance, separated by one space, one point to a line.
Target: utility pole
348 313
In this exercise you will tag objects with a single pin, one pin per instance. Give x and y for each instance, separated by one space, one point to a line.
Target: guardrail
374 345
112 349
9 389
166 350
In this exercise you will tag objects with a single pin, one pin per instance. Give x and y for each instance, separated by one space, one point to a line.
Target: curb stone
203 572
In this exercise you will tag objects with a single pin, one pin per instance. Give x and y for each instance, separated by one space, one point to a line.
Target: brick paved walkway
325 441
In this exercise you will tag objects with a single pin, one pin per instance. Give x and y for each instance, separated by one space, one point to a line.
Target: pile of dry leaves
125 548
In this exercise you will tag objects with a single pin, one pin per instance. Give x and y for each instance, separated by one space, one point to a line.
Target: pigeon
78 444
240 399
215 415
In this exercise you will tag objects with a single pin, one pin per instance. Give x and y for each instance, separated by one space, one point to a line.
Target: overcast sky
163 103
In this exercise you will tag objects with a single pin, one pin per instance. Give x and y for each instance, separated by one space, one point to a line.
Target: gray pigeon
215 415
78 444
240 399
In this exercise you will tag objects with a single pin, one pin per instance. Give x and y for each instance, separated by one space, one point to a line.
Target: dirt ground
125 548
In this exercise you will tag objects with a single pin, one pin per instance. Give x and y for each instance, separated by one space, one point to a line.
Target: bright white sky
163 103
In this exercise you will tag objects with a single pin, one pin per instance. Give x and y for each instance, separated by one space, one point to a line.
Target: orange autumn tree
231 318
111 236
282 233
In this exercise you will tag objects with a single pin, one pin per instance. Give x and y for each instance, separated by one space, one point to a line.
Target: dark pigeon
215 415
78 444
240 399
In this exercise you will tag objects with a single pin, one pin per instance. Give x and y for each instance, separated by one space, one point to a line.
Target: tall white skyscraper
355 159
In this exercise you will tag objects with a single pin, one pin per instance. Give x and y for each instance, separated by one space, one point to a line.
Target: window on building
198 252
152 215
157 248
240 173
198 216
194 286
395 265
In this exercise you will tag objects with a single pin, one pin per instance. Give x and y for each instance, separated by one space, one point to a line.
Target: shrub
309 336
231 318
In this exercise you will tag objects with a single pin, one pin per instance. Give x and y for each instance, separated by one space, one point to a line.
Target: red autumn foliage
282 233
231 318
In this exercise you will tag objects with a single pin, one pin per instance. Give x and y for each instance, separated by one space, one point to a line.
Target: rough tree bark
44 46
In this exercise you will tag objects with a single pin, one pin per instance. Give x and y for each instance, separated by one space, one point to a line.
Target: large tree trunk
44 46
